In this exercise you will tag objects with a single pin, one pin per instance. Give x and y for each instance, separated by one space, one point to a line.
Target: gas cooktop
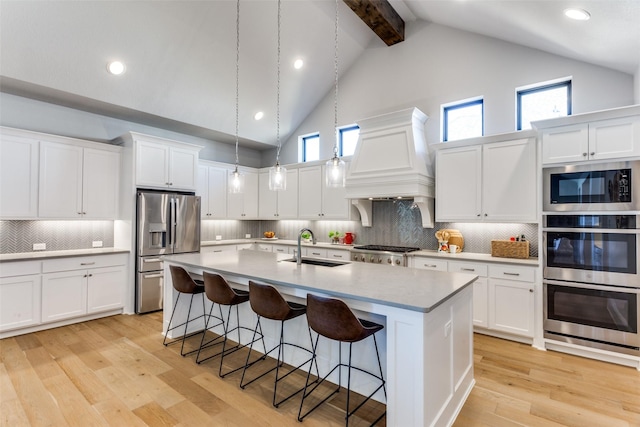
384 248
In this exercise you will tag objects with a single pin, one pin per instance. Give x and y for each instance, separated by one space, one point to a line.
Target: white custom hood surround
392 161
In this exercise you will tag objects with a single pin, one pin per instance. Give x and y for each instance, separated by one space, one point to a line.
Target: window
543 101
348 138
463 120
311 147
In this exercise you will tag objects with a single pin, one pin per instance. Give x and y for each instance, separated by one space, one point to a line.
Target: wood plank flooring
116 372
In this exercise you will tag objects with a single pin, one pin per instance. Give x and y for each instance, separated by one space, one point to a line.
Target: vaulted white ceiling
180 55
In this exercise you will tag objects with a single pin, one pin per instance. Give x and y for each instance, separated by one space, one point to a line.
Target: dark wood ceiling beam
381 17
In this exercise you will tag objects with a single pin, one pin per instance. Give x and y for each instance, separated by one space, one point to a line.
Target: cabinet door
152 165
100 183
314 252
267 199
481 302
512 305
282 249
60 185
335 204
458 184
509 181
565 144
18 177
105 289
288 199
64 295
183 168
338 254
244 205
429 263
614 139
212 188
19 302
309 190
202 190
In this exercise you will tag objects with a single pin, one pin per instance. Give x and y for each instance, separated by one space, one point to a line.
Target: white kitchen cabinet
339 254
218 249
18 176
480 294
244 205
167 165
316 200
511 299
19 295
265 247
278 204
314 252
489 182
597 140
77 182
74 287
428 263
212 189
283 249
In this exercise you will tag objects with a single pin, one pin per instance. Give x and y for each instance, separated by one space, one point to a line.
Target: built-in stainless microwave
613 186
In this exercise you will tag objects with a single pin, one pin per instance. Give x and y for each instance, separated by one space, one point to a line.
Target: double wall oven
591 238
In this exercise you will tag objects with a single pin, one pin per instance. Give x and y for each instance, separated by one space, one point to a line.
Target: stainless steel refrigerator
167 223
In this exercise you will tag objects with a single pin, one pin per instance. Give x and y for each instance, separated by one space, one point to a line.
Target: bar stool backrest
182 281
267 302
218 290
333 319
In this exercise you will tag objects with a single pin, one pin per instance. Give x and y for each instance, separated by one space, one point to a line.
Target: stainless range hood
392 161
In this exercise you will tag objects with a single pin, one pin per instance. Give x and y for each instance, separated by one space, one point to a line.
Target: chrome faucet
313 239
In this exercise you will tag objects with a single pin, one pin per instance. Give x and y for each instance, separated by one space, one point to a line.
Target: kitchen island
428 337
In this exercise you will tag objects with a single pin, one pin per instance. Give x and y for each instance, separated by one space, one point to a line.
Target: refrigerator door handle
173 214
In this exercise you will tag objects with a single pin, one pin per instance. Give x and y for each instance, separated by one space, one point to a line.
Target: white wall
437 65
636 81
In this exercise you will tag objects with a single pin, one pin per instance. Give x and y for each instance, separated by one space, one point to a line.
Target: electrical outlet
218 237
247 236
39 246
97 243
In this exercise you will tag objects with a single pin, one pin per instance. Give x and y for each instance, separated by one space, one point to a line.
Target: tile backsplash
394 223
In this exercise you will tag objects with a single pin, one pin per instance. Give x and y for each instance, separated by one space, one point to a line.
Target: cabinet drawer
468 267
337 254
430 264
20 268
81 263
281 249
520 274
314 252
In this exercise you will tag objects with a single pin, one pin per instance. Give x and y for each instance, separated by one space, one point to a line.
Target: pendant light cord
237 76
335 92
278 93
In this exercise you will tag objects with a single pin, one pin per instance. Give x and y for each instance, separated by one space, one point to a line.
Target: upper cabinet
166 164
316 200
212 188
278 204
611 138
487 182
244 205
18 176
77 181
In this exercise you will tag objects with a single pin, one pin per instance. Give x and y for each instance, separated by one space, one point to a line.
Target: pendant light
236 179
335 168
277 173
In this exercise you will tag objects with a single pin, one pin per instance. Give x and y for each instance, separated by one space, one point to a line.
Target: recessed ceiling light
116 68
577 14
258 115
298 63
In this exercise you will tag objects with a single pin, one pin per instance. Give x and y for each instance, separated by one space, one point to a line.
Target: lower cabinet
503 294
19 301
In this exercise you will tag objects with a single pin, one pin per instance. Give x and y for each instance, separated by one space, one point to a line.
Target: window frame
341 131
303 145
541 87
456 106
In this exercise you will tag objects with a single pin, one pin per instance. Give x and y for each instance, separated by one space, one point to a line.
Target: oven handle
621 289
592 230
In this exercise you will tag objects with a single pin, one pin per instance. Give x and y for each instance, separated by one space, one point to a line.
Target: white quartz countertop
471 256
25 256
406 288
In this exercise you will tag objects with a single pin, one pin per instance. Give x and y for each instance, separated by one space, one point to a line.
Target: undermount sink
317 261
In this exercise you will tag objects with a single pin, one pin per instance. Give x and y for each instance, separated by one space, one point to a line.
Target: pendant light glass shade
236 181
277 177
334 172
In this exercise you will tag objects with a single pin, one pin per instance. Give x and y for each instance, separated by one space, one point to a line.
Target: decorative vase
348 238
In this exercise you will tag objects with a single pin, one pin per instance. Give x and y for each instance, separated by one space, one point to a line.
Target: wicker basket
509 249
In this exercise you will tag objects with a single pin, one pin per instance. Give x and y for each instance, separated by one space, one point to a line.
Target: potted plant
334 236
305 237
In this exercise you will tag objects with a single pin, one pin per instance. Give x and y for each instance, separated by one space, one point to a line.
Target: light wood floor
115 371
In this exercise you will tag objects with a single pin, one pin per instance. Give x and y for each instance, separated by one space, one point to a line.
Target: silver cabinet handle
593 153
430 265
315 253
87 263
337 256
468 269
531 290
584 154
510 274
217 250
151 260
153 276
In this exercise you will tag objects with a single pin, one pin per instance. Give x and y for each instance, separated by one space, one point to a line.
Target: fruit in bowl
269 234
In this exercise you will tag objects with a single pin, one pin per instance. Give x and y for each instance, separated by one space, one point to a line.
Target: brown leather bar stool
333 319
220 293
185 284
268 303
